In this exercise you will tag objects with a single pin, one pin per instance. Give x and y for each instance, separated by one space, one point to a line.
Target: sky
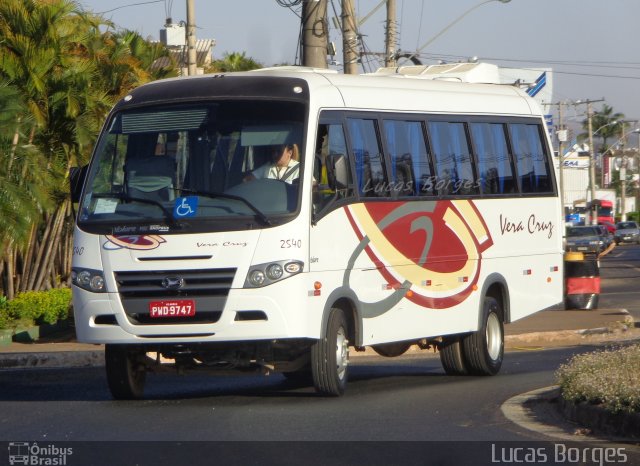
593 46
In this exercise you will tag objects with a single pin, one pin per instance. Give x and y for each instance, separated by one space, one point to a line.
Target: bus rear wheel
330 356
484 349
452 356
126 374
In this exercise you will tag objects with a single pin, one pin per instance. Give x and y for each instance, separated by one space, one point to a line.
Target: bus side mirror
337 172
77 175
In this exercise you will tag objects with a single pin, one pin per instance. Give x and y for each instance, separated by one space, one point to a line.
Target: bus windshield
209 167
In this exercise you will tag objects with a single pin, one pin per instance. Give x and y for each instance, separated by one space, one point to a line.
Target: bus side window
410 168
495 170
365 148
531 158
453 161
330 145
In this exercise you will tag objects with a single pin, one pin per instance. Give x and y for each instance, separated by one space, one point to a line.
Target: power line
548 62
288 3
127 6
593 64
601 64
168 6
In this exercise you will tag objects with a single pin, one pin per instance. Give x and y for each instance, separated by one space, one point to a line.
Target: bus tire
452 356
330 356
484 349
126 375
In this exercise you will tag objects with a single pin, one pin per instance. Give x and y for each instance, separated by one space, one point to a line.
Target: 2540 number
290 243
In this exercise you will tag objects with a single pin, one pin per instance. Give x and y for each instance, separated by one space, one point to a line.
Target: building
174 37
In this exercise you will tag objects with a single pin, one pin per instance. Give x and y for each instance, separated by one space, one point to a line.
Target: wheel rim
342 353
494 336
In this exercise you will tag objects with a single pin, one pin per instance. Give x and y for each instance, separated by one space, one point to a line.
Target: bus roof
329 89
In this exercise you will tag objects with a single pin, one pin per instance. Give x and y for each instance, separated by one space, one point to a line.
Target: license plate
174 308
582 248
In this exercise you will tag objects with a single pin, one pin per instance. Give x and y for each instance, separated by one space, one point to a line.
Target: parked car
585 239
610 226
606 236
627 232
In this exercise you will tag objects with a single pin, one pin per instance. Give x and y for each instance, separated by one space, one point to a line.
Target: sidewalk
544 329
559 327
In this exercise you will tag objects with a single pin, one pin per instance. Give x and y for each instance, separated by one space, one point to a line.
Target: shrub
5 318
610 378
40 306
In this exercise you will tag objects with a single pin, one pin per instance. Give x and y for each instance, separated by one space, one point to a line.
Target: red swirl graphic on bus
432 250
136 242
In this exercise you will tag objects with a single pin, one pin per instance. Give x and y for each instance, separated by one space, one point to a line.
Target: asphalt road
404 399
403 410
620 275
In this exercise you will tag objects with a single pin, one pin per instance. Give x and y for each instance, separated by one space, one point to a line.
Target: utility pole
592 158
561 134
192 69
314 33
623 176
562 138
592 165
390 38
349 38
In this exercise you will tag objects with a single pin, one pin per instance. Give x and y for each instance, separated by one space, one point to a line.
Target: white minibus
274 220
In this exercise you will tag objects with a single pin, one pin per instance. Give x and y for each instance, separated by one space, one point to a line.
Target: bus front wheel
484 349
126 374
330 356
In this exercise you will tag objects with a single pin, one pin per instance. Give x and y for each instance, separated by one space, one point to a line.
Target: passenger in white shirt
284 165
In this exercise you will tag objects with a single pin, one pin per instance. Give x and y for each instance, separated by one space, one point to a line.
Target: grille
209 289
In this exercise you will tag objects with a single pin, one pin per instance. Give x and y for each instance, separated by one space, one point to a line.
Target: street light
451 24
614 122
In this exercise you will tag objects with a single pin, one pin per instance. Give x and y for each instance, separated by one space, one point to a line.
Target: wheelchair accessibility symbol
185 207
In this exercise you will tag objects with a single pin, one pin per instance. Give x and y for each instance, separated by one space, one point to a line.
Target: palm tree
65 75
605 124
23 182
234 61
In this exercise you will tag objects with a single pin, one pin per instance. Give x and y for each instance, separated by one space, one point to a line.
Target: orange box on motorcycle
582 281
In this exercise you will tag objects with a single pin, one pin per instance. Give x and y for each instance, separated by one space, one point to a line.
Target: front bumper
248 315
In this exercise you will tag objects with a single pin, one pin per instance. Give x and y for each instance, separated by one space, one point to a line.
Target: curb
593 422
95 358
601 421
86 356
52 359
622 330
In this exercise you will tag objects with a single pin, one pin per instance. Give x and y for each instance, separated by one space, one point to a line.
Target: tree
234 61
23 183
605 123
59 76
38 59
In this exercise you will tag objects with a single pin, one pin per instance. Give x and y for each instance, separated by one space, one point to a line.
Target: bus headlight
274 272
257 278
266 274
89 279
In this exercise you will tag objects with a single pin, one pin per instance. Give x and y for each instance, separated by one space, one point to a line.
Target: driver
284 165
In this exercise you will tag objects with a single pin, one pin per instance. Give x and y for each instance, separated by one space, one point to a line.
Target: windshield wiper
168 215
261 216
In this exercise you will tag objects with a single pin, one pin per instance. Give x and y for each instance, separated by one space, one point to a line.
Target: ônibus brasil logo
29 453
